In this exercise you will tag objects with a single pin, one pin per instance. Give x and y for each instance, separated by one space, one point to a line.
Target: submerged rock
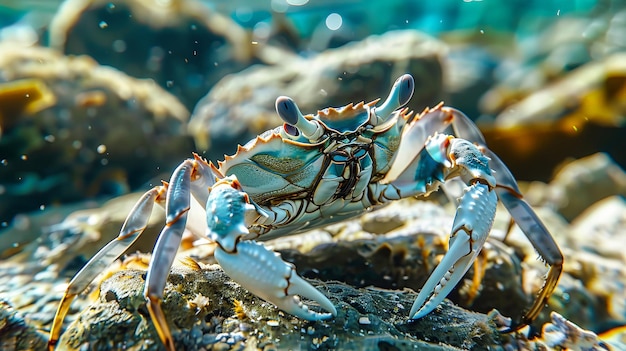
241 106
393 248
101 132
183 45
578 185
207 311
16 334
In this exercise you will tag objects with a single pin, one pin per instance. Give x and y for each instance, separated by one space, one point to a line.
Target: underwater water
101 100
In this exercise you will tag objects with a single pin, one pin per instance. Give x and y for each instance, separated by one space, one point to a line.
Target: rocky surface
16 332
100 132
369 267
556 84
208 311
550 61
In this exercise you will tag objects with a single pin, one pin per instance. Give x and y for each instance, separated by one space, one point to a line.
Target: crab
319 169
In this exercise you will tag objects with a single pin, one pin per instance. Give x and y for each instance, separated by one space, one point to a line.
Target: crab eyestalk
400 94
290 113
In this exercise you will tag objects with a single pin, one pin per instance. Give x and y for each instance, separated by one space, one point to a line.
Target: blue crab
319 169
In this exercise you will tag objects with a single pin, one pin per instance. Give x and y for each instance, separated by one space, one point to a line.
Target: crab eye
400 94
291 130
289 112
406 87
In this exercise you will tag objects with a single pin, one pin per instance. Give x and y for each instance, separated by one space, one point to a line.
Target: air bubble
334 21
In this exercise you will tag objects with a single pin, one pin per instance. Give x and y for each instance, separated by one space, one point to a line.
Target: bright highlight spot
297 2
334 21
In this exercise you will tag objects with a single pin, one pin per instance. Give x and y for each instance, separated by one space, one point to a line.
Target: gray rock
183 45
582 183
15 332
100 133
241 106
208 311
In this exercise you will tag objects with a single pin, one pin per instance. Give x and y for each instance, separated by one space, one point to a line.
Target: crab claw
472 224
266 275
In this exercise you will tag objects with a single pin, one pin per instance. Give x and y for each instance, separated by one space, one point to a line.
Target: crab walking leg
535 231
521 212
176 207
251 264
418 131
471 227
134 225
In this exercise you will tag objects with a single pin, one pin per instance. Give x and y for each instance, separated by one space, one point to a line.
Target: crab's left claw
266 275
251 264
472 224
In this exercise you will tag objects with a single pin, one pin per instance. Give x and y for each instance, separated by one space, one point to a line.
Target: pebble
364 320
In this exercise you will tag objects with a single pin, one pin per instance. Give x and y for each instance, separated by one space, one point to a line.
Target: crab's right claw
266 275
472 224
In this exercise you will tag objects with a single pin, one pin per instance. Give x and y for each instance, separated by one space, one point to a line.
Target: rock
208 311
575 116
599 236
241 106
561 334
183 45
606 219
15 332
581 183
40 257
560 68
100 133
596 86
564 334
